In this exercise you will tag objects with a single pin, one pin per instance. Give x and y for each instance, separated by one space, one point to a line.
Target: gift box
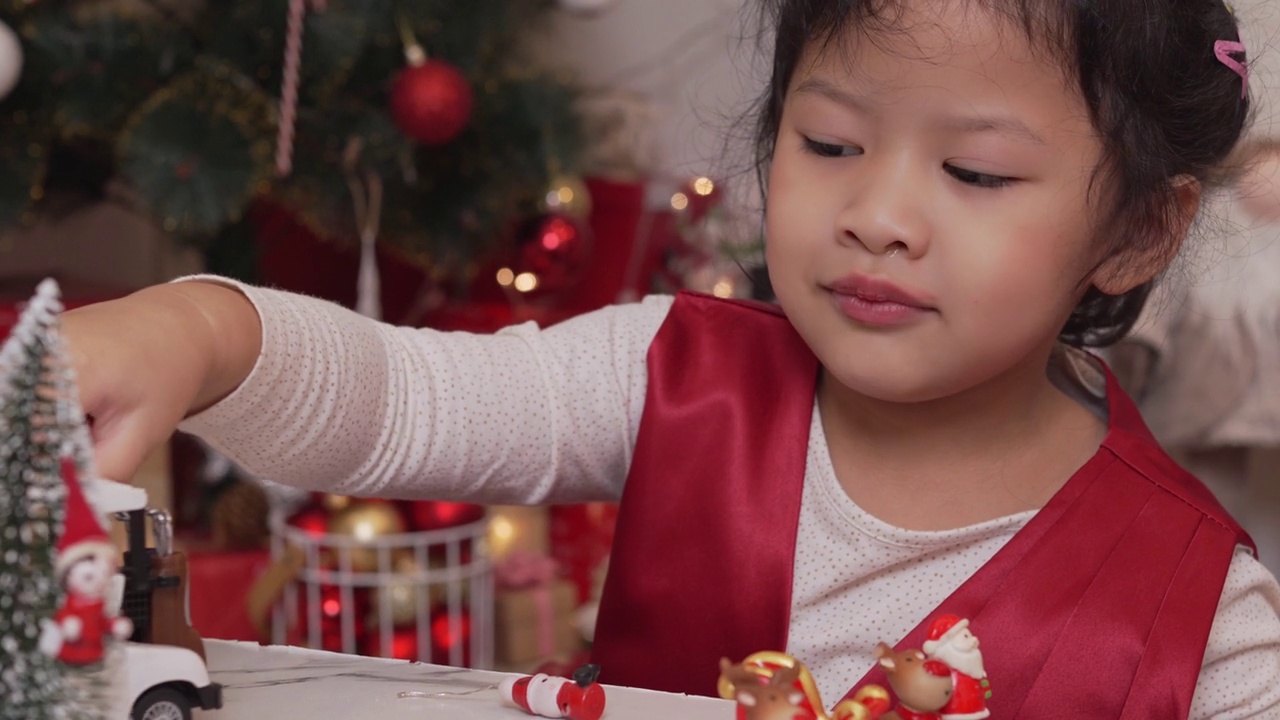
581 540
220 583
535 612
531 626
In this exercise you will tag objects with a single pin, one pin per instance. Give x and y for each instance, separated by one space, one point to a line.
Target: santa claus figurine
581 698
951 642
85 564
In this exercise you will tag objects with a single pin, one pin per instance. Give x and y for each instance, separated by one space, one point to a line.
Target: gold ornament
366 521
335 503
404 594
568 195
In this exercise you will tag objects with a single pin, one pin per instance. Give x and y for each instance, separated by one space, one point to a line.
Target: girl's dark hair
1162 104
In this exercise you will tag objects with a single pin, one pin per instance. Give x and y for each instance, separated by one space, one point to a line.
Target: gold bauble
335 503
366 521
568 195
404 594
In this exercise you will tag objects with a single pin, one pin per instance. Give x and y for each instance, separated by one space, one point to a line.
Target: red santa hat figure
951 642
82 536
555 697
85 565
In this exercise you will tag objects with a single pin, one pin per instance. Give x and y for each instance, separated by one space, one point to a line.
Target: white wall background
692 59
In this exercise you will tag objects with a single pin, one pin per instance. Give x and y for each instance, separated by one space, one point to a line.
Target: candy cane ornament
289 86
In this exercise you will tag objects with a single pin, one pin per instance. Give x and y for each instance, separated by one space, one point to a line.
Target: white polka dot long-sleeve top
338 403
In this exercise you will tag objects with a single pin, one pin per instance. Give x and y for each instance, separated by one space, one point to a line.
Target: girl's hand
146 361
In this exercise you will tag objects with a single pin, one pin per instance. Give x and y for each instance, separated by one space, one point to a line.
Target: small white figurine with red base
951 642
85 564
581 698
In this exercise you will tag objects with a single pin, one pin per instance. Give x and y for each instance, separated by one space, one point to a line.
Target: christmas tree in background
32 683
427 116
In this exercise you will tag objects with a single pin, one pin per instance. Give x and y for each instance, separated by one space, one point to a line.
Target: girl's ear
1124 271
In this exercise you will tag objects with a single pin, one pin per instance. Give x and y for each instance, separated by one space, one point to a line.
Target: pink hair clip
1222 50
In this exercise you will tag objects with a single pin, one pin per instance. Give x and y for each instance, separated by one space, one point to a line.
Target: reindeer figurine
923 686
775 686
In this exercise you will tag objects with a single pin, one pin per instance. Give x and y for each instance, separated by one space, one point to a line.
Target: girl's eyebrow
1008 126
1003 125
833 92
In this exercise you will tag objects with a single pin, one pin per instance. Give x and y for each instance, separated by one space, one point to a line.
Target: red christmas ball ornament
552 251
437 514
313 520
403 645
431 102
330 610
449 632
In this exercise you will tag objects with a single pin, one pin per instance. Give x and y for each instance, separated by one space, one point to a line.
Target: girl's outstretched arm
148 359
339 403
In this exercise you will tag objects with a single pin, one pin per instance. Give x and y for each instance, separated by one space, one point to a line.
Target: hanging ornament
431 100
568 195
551 252
289 86
366 521
366 198
10 60
586 7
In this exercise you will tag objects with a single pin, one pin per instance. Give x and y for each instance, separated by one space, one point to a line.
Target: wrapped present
220 583
534 611
581 540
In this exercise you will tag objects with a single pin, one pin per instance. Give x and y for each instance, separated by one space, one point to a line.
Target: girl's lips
875 290
879 303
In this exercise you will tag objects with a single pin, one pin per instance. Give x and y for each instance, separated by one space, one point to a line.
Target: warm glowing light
501 532
704 186
723 289
679 201
506 276
526 282
364 531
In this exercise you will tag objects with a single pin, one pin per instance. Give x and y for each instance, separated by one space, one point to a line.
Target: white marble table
284 683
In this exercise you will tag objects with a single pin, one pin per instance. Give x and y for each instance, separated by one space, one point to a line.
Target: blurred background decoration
200 115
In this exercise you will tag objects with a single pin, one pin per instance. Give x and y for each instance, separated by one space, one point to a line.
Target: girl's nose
885 210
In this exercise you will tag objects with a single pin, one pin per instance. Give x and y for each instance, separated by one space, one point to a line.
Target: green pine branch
183 112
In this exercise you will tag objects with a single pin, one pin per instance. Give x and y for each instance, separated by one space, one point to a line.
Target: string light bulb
526 282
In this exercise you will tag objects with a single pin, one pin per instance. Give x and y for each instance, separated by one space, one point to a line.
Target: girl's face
929 216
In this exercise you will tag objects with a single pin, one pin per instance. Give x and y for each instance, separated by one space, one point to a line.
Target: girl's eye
977 179
822 149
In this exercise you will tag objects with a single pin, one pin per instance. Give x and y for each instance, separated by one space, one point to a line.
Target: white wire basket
425 596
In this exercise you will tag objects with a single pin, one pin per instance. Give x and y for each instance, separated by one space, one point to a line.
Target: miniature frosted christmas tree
32 496
46 527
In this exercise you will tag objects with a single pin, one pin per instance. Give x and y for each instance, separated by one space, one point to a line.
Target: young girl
960 194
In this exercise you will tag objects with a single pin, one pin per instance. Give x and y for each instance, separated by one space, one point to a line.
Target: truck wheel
162 703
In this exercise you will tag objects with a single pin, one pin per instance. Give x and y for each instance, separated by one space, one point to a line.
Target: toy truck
164 659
